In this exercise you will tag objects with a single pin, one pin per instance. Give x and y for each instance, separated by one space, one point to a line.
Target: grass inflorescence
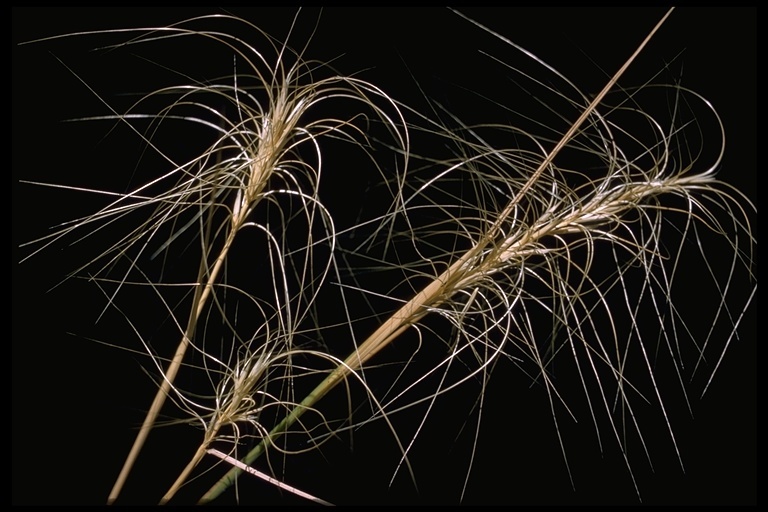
298 256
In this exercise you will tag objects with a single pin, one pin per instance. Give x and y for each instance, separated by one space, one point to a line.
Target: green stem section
229 479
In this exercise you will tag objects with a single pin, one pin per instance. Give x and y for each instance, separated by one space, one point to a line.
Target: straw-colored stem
173 368
185 474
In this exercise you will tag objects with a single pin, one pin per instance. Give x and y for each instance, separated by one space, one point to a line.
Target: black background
74 402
